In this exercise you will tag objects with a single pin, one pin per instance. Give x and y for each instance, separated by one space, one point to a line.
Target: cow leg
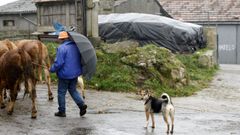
31 85
13 97
48 81
1 99
5 93
26 91
34 109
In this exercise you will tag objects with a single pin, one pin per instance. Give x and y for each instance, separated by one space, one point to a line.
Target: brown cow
5 46
40 59
16 67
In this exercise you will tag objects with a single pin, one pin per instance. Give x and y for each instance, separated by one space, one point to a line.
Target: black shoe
83 110
60 114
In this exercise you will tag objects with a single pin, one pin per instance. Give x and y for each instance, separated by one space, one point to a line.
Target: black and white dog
164 105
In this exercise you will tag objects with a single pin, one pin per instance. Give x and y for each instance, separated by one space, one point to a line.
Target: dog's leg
165 117
147 118
172 129
153 122
172 119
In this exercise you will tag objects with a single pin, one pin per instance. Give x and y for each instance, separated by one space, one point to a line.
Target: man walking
67 66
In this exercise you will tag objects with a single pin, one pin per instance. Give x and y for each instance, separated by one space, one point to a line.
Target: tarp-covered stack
175 35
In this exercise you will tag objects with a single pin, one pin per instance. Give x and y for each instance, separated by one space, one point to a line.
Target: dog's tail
166 98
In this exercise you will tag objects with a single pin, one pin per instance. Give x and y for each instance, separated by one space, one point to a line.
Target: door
227 44
238 43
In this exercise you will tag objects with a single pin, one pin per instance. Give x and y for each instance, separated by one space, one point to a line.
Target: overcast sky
3 2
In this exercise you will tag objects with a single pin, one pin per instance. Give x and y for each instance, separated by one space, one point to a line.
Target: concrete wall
22 26
126 6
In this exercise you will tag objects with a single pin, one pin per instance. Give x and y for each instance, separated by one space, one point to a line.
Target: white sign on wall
227 47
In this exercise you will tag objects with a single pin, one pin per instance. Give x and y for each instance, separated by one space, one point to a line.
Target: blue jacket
67 64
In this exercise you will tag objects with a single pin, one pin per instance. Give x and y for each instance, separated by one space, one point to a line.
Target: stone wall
209 58
211 35
23 26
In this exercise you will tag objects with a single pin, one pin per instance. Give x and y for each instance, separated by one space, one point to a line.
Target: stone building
222 15
18 19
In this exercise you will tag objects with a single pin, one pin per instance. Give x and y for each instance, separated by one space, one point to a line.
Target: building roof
20 6
203 10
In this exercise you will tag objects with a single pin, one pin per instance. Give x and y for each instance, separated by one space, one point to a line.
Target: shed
18 19
67 12
224 15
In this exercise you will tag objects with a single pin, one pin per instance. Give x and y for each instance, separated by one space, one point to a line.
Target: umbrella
88 54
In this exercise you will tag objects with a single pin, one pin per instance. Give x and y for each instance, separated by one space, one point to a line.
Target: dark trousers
69 85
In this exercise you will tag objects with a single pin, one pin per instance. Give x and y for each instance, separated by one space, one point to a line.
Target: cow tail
21 52
26 62
19 68
28 72
40 53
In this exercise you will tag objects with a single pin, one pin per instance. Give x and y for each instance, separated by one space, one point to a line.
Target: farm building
76 13
224 15
18 19
24 17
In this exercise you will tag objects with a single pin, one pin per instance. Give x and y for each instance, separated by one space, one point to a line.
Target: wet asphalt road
213 111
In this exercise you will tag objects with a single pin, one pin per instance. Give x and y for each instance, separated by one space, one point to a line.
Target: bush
112 75
52 46
115 73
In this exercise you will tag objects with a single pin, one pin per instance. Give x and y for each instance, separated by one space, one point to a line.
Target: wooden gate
67 12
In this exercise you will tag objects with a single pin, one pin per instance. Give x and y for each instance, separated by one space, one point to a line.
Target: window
8 23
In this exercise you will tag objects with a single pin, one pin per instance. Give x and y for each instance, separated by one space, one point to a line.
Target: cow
40 59
16 67
6 45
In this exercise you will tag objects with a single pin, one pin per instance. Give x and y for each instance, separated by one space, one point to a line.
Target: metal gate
229 44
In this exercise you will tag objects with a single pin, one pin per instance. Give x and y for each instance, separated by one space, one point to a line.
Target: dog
163 105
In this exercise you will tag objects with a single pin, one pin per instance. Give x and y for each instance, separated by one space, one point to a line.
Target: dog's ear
139 92
146 91
149 92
